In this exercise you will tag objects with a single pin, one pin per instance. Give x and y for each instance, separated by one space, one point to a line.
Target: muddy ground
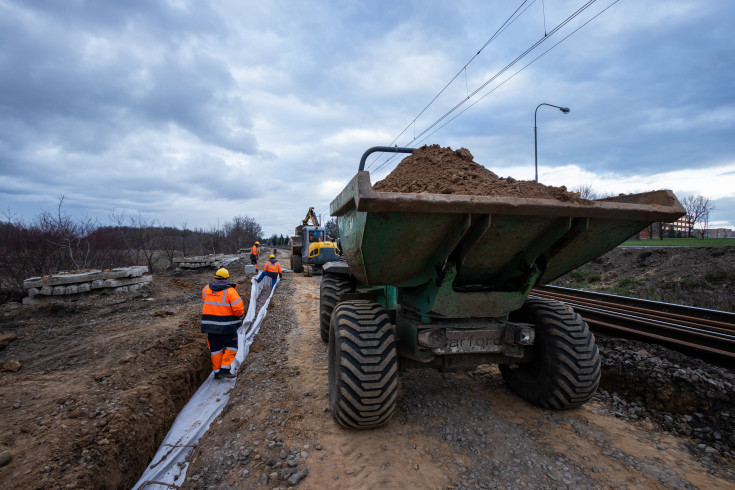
88 390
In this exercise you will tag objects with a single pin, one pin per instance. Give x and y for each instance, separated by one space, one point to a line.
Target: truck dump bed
494 243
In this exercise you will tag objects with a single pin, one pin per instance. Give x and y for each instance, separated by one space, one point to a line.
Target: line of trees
694 224
54 241
278 240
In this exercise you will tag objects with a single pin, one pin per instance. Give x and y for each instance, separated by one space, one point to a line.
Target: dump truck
310 247
442 281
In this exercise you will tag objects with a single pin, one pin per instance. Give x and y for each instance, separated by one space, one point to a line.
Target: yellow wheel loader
310 248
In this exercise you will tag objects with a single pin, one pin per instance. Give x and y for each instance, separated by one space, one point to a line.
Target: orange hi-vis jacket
254 250
222 308
272 267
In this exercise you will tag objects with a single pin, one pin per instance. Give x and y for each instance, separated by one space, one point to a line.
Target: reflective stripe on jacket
221 310
273 267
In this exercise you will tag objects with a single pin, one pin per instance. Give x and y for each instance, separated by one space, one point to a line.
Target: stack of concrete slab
213 261
74 285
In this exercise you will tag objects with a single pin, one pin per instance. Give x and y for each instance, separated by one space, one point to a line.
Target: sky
191 113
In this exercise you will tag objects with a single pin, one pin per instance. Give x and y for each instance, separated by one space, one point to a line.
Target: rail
707 334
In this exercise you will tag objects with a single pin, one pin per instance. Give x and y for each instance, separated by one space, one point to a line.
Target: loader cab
316 249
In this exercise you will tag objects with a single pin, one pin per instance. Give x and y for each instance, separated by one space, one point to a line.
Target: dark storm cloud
78 76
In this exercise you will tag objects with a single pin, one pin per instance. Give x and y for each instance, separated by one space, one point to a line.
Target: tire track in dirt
380 458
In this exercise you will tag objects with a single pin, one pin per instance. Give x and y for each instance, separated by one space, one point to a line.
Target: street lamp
565 110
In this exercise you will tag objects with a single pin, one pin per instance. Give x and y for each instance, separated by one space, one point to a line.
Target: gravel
677 393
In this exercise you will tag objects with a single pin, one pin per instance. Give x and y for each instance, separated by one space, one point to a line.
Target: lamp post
565 110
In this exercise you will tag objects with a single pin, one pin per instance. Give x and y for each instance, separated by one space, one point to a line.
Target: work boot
225 373
216 375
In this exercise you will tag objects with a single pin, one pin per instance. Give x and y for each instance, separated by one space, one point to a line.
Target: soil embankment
694 276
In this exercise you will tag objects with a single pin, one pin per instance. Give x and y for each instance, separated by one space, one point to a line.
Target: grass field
680 242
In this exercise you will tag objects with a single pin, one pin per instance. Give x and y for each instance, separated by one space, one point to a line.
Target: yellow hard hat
272 256
257 243
221 274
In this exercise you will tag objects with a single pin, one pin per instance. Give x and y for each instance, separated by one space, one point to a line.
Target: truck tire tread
297 264
363 365
330 289
565 369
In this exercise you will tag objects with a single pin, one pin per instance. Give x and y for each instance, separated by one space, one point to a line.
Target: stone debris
71 285
214 261
673 392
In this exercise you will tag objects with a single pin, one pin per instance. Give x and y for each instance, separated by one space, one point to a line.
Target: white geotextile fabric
169 465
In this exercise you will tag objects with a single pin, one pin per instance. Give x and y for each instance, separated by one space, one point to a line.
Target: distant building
679 228
719 233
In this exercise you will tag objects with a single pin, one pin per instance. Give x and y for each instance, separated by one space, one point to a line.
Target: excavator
310 249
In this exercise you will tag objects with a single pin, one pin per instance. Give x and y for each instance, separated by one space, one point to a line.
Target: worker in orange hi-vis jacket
271 269
221 314
254 255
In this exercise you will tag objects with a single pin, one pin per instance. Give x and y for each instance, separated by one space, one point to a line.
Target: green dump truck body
493 246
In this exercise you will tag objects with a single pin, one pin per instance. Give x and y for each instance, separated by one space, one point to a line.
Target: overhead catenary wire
499 73
517 72
428 130
512 18
500 29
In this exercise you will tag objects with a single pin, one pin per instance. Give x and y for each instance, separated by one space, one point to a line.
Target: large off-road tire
363 365
565 369
332 286
296 264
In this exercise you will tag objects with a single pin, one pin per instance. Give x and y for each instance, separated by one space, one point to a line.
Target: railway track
707 334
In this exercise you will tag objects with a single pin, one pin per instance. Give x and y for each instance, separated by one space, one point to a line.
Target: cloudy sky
196 112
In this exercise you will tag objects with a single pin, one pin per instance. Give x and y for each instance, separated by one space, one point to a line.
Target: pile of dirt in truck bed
436 170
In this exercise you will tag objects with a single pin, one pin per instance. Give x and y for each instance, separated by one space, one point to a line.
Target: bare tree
185 232
169 242
698 209
69 235
138 233
704 222
587 192
332 229
212 239
241 232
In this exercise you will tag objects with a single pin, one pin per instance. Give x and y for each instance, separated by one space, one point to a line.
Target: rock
7 339
5 458
297 477
10 366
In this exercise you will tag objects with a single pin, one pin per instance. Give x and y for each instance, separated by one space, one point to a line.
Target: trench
167 468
